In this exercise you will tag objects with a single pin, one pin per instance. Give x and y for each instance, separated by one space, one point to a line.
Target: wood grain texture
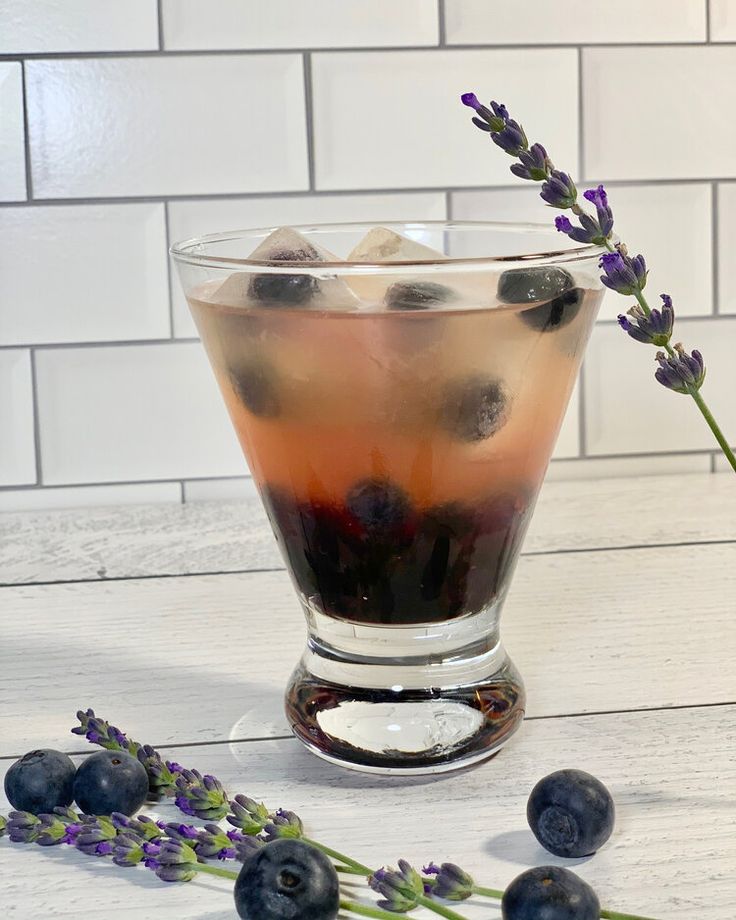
206 658
232 536
672 775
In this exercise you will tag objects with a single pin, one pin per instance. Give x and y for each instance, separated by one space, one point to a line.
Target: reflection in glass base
452 706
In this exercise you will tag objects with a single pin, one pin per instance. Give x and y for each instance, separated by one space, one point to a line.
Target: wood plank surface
672 856
229 536
206 658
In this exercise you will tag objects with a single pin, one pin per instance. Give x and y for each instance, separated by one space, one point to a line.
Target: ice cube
383 245
300 289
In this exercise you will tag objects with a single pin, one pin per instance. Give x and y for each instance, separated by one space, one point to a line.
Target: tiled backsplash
126 126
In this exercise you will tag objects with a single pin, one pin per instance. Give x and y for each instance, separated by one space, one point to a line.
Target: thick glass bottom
446 698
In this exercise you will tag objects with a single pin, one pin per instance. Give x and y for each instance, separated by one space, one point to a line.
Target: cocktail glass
397 407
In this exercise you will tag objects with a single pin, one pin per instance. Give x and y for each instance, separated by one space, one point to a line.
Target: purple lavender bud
246 847
563 224
511 138
598 197
94 737
248 815
201 796
151 848
452 883
103 849
471 100
484 126
500 110
182 803
127 851
183 832
681 372
23 827
653 328
559 190
589 232
175 862
401 888
534 164
52 831
283 824
623 274
174 767
227 853
97 830
487 121
84 716
71 833
234 836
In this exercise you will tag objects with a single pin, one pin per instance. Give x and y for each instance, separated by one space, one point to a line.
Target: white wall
125 126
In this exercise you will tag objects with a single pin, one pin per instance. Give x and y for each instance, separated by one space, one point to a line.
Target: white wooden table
180 626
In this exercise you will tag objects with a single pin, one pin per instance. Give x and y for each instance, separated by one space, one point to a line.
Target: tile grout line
309 116
182 491
160 24
708 39
26 136
441 24
36 421
448 204
340 193
167 240
581 117
715 254
713 463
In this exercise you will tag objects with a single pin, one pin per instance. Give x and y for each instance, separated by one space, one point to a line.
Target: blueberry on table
379 506
418 296
474 408
571 813
40 781
110 781
549 893
533 284
256 387
282 289
287 880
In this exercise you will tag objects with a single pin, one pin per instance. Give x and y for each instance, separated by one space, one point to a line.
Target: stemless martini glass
397 407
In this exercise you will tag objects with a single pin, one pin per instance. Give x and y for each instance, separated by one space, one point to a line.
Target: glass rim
185 251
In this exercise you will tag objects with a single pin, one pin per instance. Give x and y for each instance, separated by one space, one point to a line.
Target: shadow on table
521 848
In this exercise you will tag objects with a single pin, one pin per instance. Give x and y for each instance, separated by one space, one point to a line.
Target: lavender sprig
283 824
162 774
677 370
249 816
201 796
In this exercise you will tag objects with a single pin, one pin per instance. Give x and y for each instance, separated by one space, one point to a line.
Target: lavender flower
98 731
490 120
681 372
23 827
622 273
534 164
140 826
201 796
599 198
128 850
451 883
558 190
162 774
52 830
246 847
401 888
654 328
173 862
283 824
95 837
248 815
184 833
215 843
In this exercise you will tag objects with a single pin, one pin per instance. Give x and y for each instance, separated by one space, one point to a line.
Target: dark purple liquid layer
378 559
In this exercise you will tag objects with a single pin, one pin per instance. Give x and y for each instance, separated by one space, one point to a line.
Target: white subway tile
722 465
33 26
79 273
193 218
207 490
670 224
12 135
298 23
17 450
89 496
726 237
627 411
568 441
134 412
368 136
723 20
626 467
167 125
645 108
567 22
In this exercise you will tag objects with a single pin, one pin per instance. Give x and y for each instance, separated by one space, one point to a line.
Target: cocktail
397 406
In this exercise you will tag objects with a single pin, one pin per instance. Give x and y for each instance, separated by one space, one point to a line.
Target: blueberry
419 296
256 386
40 781
549 893
110 781
555 314
474 408
571 813
287 880
533 284
285 290
379 506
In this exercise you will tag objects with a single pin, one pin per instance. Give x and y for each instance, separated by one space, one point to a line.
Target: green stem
359 868
365 911
439 908
487 892
714 427
349 870
214 870
615 915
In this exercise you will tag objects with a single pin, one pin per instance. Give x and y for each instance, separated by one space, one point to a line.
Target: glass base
409 700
